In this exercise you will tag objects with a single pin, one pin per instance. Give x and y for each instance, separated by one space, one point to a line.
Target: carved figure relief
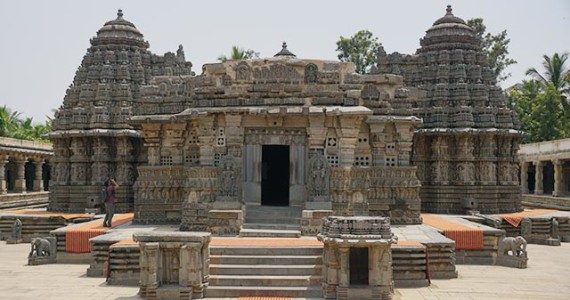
228 178
319 176
465 173
311 74
243 72
17 229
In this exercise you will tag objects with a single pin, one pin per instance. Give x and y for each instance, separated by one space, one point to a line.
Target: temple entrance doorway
275 175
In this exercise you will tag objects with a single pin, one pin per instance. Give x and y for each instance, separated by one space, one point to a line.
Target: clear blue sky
43 42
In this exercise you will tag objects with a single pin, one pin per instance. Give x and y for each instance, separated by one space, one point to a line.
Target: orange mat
77 239
408 244
66 216
265 242
516 218
466 238
125 243
264 298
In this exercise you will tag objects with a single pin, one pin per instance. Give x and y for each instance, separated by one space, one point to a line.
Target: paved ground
547 277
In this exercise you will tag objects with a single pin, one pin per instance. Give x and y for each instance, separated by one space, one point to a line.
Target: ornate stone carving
318 176
16 236
43 251
311 73
517 247
229 179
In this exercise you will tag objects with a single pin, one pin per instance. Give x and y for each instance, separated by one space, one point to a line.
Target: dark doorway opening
359 266
531 178
275 175
548 178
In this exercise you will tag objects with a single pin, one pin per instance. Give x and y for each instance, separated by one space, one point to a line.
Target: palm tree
9 121
555 71
238 53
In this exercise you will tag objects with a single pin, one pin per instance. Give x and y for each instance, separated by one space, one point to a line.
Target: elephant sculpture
40 248
517 246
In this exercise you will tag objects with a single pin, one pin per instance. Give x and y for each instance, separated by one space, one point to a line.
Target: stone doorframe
255 138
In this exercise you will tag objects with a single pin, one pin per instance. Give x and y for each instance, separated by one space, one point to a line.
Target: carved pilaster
38 181
524 177
558 179
317 131
539 187
3 162
20 183
206 139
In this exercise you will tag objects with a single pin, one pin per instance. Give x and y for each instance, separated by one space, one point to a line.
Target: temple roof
284 51
119 31
449 33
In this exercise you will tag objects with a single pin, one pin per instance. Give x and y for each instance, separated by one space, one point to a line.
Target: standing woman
110 201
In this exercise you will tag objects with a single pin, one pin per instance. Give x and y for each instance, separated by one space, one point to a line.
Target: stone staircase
271 221
265 272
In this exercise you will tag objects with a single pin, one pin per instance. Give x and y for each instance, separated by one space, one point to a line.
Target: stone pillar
20 183
350 127
38 180
344 273
558 179
149 262
3 162
206 138
524 177
539 187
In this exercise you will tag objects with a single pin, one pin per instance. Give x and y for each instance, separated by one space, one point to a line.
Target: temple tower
465 151
91 138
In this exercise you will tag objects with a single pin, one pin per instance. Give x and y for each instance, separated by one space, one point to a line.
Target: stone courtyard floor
547 277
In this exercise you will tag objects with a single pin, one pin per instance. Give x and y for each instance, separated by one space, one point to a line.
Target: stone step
266 259
273 211
271 226
273 220
288 270
263 291
265 280
270 233
274 251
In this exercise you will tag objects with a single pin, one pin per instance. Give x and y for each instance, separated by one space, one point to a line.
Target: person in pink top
111 186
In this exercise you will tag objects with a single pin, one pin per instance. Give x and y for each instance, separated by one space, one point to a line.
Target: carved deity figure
227 182
319 176
465 173
17 230
555 231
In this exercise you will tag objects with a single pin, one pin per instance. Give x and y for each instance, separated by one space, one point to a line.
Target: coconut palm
239 53
555 71
557 74
9 121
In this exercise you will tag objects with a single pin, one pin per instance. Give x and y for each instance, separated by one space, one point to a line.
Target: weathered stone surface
343 237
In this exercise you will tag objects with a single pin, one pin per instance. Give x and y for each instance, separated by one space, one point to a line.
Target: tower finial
448 10
120 13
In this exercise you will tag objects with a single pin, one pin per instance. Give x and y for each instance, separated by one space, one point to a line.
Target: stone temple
424 132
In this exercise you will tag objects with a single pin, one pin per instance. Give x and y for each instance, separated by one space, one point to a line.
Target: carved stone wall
465 151
92 139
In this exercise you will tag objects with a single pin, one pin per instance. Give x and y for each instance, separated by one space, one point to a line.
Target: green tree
555 72
359 49
496 46
11 125
8 121
239 53
538 106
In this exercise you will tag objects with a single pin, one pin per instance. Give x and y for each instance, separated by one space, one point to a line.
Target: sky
43 42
